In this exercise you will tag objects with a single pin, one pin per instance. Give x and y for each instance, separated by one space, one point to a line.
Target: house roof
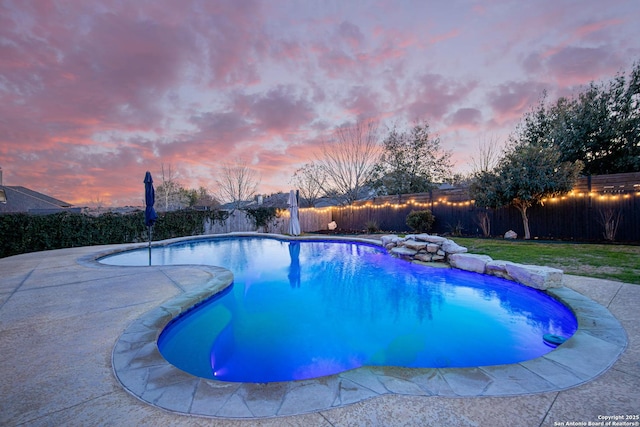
21 199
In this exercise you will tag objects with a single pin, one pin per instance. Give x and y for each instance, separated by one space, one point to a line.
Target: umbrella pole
149 245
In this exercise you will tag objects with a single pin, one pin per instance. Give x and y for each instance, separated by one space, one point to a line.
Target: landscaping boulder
535 276
469 262
498 268
390 239
511 235
403 251
422 257
434 239
451 247
432 248
416 246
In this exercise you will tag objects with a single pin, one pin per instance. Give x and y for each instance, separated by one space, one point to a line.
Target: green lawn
613 262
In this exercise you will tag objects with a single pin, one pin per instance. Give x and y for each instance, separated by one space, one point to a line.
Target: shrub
372 226
420 221
456 230
23 232
262 216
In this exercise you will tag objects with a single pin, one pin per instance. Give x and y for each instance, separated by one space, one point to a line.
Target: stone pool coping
141 369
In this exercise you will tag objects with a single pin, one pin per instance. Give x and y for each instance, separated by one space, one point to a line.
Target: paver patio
61 320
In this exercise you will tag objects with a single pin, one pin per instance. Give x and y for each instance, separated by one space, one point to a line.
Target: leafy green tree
601 126
527 174
412 162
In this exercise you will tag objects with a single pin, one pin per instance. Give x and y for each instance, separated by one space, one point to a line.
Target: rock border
145 374
426 248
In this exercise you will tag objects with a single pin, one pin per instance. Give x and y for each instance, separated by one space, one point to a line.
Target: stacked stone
422 247
427 248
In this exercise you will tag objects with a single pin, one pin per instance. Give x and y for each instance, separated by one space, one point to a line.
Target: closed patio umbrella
150 215
294 221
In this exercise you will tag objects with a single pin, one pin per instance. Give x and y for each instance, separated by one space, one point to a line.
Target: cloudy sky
94 93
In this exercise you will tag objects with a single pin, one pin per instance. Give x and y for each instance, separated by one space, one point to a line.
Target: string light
465 203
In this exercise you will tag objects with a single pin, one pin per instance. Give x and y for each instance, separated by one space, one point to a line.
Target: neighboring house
277 200
17 199
242 205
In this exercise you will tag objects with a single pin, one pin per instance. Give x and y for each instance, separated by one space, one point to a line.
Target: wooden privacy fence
310 220
597 205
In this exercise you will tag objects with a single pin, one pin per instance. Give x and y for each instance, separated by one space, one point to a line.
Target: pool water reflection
304 309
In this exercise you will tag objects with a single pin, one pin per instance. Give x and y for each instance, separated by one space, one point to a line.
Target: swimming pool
304 309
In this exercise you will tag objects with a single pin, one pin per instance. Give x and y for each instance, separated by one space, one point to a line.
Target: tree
525 176
170 194
310 180
236 183
201 197
349 159
601 126
623 98
411 162
487 156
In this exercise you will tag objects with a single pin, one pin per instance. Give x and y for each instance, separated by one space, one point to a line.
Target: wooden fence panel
572 218
578 216
310 220
237 221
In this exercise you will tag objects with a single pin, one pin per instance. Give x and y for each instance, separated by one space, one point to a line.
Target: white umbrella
294 222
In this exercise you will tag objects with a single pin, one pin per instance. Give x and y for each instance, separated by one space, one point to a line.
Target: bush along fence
23 233
28 233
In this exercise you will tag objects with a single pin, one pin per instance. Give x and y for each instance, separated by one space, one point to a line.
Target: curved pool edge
143 372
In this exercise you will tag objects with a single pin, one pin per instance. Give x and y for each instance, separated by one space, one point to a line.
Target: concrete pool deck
63 321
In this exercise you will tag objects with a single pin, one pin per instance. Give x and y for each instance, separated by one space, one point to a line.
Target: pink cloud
439 38
351 34
226 127
590 28
469 118
580 65
361 102
279 109
95 92
433 96
511 100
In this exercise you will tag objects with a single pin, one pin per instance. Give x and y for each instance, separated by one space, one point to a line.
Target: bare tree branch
236 183
170 192
487 155
350 158
310 180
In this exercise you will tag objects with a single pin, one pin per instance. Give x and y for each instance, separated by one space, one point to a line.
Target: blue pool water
304 309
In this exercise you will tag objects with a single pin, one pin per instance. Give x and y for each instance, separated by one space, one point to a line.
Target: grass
605 261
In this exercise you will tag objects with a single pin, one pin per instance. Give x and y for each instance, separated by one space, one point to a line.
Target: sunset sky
94 93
